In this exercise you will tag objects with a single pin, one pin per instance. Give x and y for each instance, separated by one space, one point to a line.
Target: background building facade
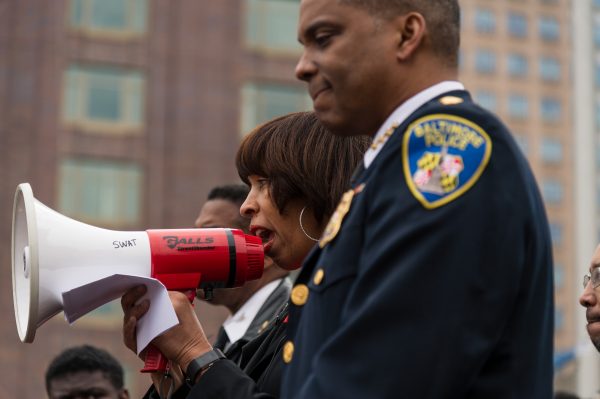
124 113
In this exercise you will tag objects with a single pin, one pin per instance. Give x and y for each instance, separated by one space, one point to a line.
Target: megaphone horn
52 254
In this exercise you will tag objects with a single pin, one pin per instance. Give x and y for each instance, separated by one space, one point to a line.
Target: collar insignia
335 222
450 100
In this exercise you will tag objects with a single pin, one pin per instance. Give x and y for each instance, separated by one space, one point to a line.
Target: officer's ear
411 29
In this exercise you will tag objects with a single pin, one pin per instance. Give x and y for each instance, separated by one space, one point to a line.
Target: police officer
433 278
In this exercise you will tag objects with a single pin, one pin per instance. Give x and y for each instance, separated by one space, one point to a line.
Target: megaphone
52 253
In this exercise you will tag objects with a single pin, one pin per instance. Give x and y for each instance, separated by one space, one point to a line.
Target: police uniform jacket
434 279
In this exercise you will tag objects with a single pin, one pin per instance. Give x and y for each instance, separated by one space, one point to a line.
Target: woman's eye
263 183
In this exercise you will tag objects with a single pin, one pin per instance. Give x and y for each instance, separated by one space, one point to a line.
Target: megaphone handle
155 361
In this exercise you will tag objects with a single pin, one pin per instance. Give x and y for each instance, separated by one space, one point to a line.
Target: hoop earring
302 227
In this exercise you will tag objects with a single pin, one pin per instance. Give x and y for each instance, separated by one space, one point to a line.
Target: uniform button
318 278
288 351
299 295
264 325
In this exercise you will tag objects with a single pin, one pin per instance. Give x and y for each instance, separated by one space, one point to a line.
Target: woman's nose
248 208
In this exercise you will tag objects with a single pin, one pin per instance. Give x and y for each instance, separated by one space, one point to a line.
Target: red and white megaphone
52 254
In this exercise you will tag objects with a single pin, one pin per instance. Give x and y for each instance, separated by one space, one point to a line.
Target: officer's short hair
234 193
85 358
442 18
302 161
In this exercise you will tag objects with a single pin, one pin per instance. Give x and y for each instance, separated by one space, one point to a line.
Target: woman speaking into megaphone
297 173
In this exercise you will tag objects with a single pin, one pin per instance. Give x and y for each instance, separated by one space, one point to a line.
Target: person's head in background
85 372
222 209
297 172
590 299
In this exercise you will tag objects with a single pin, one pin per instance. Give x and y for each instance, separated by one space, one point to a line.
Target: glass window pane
485 61
517 65
104 97
559 275
552 191
551 109
548 28
98 191
76 12
118 16
551 150
271 24
486 99
556 233
98 94
108 13
517 24
549 69
485 21
518 106
262 102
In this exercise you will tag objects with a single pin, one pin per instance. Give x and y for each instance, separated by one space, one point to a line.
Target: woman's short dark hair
302 160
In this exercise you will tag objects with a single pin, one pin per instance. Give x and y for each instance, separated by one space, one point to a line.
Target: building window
552 191
517 65
486 99
485 21
550 109
262 102
100 192
518 106
271 25
551 150
556 233
522 142
517 25
105 99
596 34
485 61
120 17
559 275
550 69
559 320
548 29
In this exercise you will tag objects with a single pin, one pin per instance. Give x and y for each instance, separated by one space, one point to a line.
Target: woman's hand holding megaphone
180 344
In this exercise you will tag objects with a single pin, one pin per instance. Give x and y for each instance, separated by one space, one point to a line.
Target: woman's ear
411 29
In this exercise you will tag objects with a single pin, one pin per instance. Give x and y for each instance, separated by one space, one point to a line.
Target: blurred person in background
590 300
85 372
254 305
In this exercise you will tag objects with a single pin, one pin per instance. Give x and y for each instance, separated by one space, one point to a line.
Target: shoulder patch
442 157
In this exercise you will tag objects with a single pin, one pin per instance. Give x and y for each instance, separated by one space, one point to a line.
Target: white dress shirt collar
404 111
237 324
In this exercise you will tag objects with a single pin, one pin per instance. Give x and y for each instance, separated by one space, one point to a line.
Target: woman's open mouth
265 235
